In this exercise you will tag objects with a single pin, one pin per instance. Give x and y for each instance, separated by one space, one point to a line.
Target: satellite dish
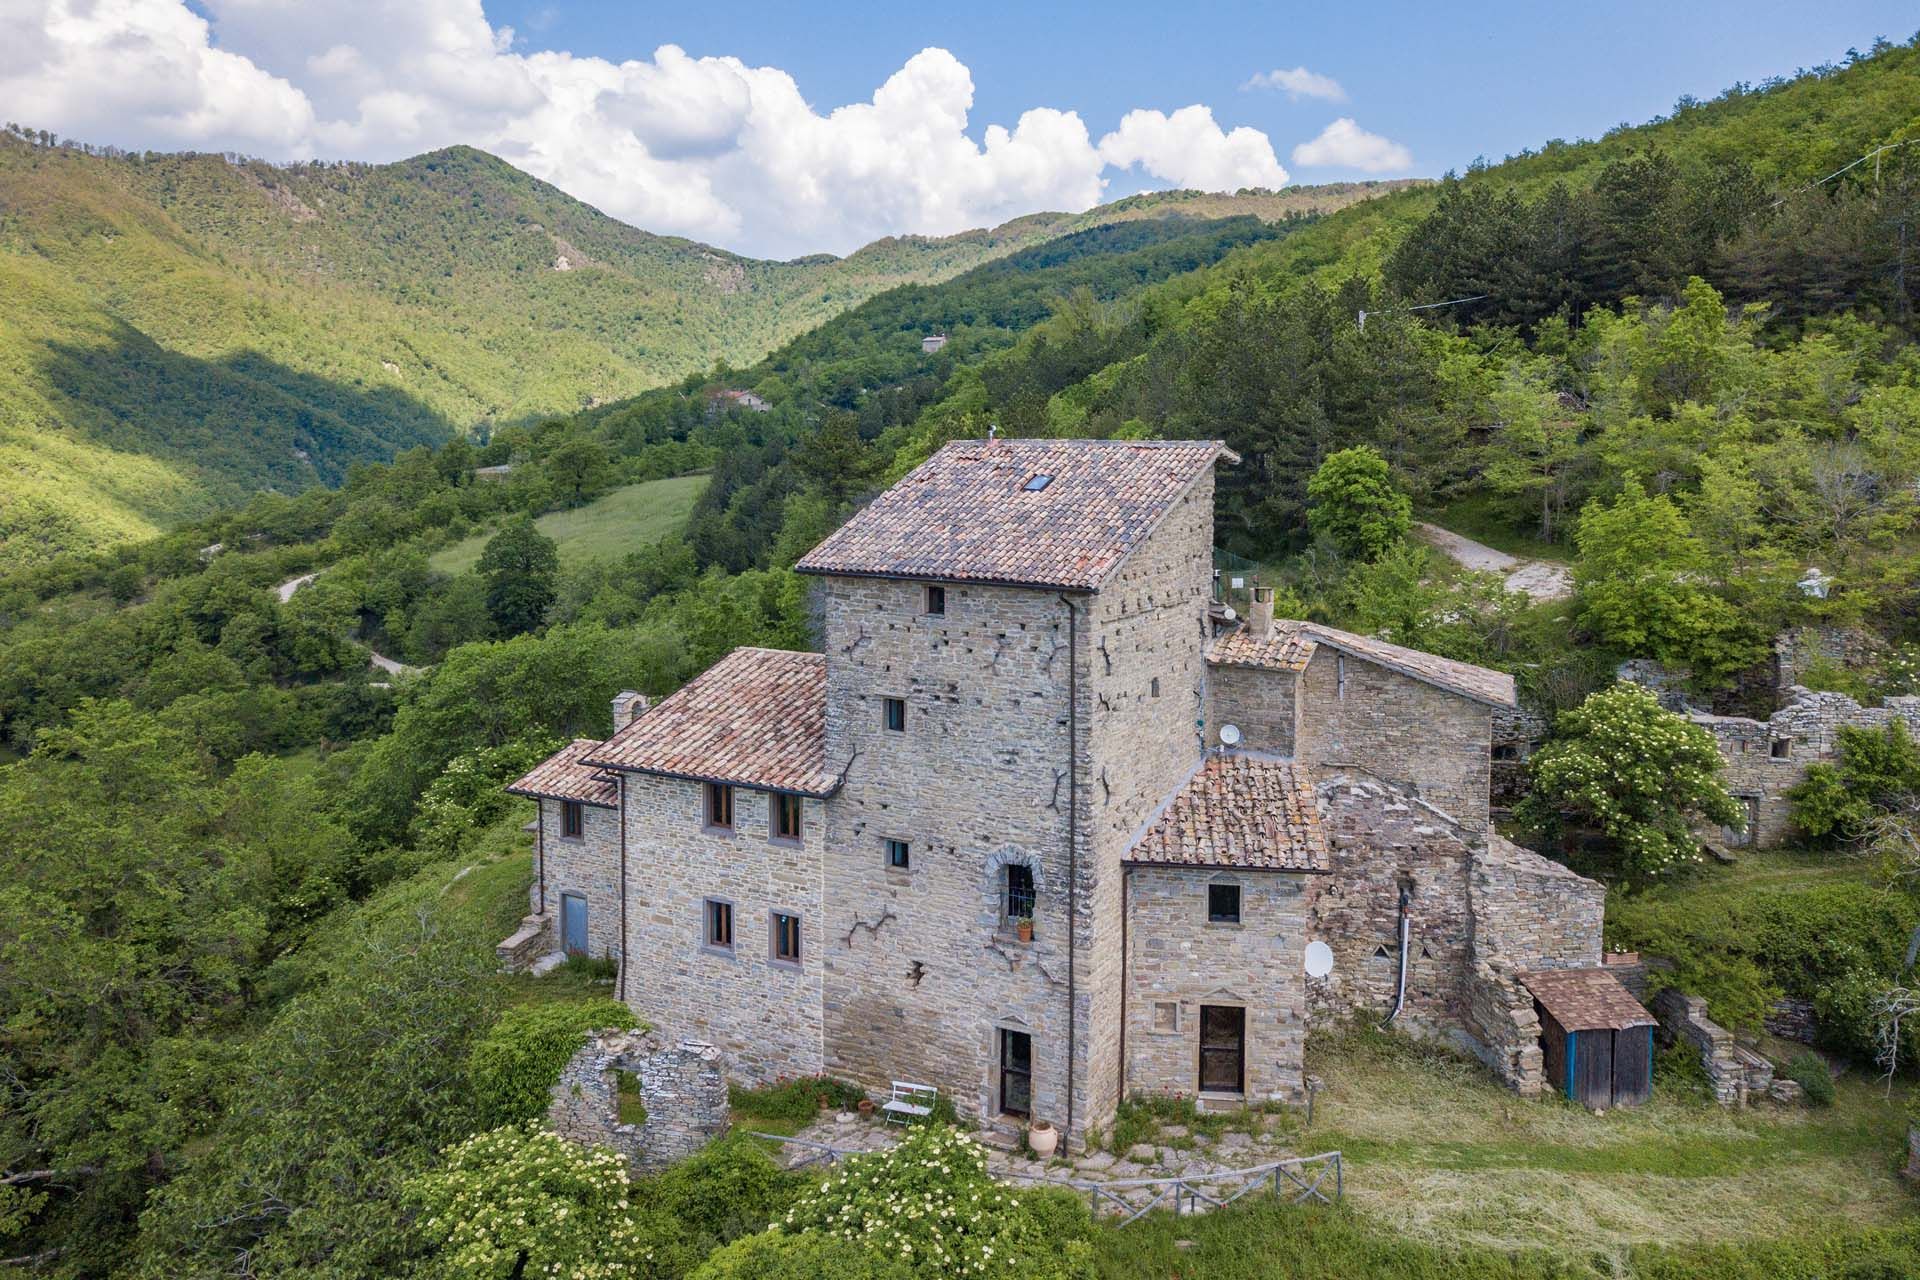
1319 959
1230 735
1226 611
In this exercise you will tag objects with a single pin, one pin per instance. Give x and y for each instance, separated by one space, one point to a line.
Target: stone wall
1177 960
1799 650
1793 1020
533 939
1357 712
683 1089
1259 702
588 865
1736 1074
765 1015
1762 760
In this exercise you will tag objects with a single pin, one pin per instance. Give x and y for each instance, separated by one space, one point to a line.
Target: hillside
187 329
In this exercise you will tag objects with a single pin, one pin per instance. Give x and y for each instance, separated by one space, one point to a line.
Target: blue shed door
573 924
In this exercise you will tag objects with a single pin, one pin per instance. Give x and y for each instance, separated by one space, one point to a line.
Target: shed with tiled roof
756 718
1595 1038
1060 514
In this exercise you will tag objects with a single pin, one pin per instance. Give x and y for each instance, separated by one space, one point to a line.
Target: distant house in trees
731 399
497 472
933 342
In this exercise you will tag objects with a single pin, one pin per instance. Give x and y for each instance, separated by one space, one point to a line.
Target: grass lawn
1474 517
607 528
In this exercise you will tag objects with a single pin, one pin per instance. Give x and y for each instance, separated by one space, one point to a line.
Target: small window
1340 675
899 857
1166 1015
573 819
1016 1073
1154 687
719 806
1506 751
1783 748
936 599
786 938
1223 904
719 925
893 713
785 822
1020 894
1037 482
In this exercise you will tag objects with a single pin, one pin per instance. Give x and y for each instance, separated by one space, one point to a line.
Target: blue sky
782 129
1448 81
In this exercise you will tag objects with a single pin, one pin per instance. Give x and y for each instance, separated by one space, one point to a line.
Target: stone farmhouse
1044 824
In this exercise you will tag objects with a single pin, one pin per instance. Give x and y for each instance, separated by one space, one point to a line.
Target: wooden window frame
1214 916
899 854
775 941
936 600
709 917
1004 1070
573 820
892 710
779 804
716 807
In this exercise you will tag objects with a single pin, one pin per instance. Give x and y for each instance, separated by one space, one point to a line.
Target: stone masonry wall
1798 650
1399 728
921 970
683 1089
1178 958
1809 726
1382 837
765 1015
1259 702
1149 628
588 865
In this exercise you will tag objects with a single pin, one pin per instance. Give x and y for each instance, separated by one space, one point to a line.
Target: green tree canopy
1352 500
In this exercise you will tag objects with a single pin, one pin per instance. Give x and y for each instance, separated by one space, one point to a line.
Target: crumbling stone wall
684 1090
1354 712
1736 1074
1178 960
1798 650
1762 760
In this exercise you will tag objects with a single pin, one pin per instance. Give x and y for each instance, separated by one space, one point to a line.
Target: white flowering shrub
1637 773
930 1203
525 1202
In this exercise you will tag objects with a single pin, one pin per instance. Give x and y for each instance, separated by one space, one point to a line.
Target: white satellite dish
1319 959
1230 735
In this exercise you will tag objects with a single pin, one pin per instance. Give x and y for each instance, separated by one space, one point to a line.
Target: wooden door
1223 1048
1593 1068
573 924
1016 1073
1632 1066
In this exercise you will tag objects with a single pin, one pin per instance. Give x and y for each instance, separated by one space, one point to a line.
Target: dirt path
1540 579
291 585
388 665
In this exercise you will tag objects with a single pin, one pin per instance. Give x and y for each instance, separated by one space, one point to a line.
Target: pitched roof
1586 1000
564 775
1238 811
1289 645
969 513
756 718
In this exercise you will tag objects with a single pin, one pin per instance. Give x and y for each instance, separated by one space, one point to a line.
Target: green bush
1809 1071
728 1190
1878 769
512 1066
931 1202
796 1101
775 1255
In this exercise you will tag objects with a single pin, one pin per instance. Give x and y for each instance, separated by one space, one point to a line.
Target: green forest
251 1021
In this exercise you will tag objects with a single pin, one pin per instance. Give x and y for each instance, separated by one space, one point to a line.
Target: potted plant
1043 1138
866 1106
1023 928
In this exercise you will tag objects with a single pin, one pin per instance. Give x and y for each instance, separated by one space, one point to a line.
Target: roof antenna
993 432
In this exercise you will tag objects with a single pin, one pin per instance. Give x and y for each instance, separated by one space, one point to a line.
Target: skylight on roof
1037 482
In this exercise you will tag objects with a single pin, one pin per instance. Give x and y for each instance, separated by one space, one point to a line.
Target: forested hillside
249 886
186 330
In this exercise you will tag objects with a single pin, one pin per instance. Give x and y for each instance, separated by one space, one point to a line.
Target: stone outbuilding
1042 824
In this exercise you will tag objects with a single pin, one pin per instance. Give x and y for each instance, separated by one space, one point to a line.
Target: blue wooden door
573 924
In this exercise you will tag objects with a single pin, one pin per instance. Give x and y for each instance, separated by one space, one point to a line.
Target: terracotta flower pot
1043 1138
1024 931
866 1106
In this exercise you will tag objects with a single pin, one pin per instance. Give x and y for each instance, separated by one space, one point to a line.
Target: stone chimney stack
1260 612
629 706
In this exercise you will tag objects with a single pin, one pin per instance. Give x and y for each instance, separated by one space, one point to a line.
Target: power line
1425 306
1871 155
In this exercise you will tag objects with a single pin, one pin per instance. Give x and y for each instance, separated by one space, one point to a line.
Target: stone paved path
1540 579
1170 1156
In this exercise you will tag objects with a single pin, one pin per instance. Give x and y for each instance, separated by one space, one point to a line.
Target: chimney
1260 612
629 706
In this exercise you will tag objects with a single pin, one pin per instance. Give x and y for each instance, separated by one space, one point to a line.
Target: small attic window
1036 482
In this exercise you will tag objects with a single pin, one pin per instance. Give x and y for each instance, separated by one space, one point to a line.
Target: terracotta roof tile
756 718
1586 1000
1239 811
967 515
1290 644
564 775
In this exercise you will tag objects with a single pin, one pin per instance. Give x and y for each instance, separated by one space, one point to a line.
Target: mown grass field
605 529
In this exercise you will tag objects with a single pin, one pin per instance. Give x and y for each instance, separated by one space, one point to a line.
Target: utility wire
1891 146
1425 306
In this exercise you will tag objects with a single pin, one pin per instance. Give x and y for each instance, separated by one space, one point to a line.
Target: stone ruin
684 1090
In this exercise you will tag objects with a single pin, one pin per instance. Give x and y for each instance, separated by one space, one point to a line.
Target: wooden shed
1595 1038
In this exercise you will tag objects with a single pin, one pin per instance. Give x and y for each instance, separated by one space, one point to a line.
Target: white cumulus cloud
1299 83
707 147
1189 149
1345 145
